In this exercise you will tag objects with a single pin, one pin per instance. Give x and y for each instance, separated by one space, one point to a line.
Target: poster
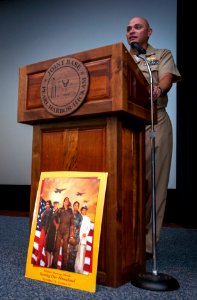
65 232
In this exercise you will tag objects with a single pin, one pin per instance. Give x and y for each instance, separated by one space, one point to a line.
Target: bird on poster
59 190
79 194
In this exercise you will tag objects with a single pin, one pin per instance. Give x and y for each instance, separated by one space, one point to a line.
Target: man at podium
164 74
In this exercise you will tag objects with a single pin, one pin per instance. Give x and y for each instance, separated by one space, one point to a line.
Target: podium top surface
116 85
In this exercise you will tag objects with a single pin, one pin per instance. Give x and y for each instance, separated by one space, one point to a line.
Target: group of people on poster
66 227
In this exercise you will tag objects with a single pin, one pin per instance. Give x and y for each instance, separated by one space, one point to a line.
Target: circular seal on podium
64 86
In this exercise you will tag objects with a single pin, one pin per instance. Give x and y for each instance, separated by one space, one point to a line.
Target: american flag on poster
41 210
43 261
37 236
89 250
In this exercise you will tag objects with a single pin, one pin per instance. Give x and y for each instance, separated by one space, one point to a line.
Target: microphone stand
153 281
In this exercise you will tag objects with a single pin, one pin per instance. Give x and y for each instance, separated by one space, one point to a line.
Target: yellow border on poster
62 277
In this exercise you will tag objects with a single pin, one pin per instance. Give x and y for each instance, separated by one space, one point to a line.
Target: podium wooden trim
105 134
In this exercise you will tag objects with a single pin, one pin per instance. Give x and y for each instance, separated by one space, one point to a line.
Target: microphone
138 47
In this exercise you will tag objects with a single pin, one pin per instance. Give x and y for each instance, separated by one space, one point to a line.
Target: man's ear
150 32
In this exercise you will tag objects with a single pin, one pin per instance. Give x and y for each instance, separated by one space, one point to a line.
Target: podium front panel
103 144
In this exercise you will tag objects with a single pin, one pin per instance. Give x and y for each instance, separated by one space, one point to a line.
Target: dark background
185 202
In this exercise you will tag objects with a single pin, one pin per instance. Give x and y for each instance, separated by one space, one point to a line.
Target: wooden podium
105 134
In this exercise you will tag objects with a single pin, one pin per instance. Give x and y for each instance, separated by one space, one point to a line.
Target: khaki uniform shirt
161 62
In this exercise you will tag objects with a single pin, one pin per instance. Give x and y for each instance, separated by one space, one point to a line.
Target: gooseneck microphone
138 47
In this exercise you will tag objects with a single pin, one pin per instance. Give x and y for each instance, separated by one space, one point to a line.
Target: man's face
83 211
138 31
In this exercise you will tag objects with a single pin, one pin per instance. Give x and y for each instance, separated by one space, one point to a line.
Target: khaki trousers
163 155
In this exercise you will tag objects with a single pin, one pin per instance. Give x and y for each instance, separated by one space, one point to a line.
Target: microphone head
138 47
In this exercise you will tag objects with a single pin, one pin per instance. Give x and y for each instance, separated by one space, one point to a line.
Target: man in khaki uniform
164 73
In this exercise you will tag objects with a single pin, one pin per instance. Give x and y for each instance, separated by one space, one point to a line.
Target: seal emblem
64 86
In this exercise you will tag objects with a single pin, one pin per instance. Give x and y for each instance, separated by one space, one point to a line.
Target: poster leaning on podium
88 111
